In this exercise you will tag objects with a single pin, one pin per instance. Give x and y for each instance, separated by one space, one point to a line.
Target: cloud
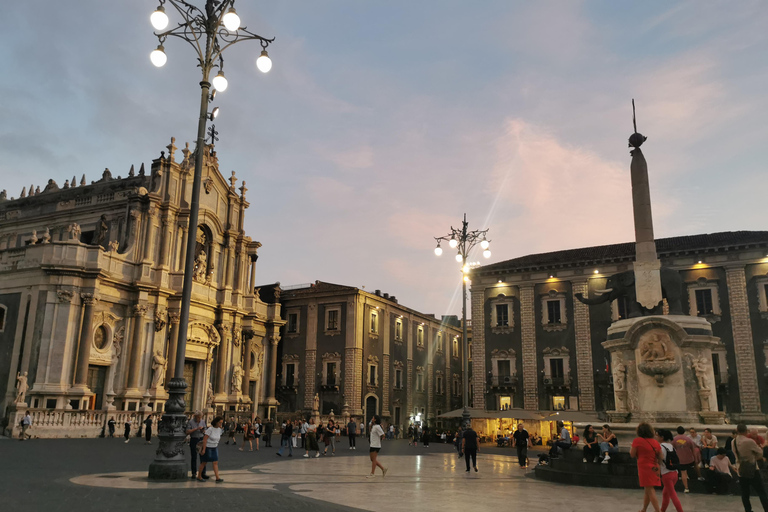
350 159
550 195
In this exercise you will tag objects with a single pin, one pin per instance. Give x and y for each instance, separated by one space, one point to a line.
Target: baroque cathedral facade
90 291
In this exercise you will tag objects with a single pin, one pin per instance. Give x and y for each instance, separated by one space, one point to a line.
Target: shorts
210 455
686 467
372 449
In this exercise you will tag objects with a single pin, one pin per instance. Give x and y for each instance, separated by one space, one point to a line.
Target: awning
474 413
574 416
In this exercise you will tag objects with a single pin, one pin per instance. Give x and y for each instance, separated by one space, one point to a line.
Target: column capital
64 295
88 299
174 317
274 340
139 310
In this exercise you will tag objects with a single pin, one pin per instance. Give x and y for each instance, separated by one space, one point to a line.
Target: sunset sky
382 123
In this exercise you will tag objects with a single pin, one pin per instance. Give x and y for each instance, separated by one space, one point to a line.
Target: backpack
672 461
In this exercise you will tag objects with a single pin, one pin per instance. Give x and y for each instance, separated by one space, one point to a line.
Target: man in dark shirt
469 447
351 433
520 441
285 439
269 426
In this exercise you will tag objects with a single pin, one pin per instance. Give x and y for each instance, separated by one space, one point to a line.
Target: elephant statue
623 285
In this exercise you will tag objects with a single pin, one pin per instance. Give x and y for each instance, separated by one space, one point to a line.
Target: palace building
537 347
364 353
90 289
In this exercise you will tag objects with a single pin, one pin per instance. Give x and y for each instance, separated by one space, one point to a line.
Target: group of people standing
662 458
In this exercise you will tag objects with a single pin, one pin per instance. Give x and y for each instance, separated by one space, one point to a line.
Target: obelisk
647 265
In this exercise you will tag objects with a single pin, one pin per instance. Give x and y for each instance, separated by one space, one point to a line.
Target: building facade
537 347
90 290
364 353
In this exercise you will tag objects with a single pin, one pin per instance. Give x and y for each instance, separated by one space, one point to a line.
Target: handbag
746 469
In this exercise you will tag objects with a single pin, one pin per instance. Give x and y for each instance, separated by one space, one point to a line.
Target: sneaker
467 471
279 454
126 441
606 459
206 477
701 479
384 470
584 459
240 449
475 469
317 454
686 491
219 480
306 455
370 476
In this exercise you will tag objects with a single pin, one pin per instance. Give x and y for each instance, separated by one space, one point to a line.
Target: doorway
371 408
97 375
190 377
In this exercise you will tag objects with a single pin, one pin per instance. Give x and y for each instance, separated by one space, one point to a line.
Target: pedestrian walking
257 432
26 422
377 434
668 471
748 453
330 438
425 436
286 434
269 426
685 450
648 454
310 440
196 431
111 426
521 441
457 439
209 449
231 430
127 426
410 434
303 431
247 435
470 447
148 430
351 433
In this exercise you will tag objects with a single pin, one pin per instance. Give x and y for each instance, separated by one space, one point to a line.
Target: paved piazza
53 475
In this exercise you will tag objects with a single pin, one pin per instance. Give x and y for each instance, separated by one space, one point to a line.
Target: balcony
557 382
504 381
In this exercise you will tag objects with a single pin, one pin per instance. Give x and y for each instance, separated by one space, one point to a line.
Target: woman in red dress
647 451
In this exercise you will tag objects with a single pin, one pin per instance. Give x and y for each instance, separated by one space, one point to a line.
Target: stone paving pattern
107 474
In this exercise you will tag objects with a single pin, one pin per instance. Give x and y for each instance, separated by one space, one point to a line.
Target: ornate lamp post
209 32
463 241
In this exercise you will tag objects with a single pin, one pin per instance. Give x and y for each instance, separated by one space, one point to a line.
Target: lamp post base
466 420
170 463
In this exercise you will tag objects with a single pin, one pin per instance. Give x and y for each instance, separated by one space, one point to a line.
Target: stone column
584 368
173 318
272 381
183 247
225 330
253 276
530 360
84 347
134 364
247 355
743 344
164 243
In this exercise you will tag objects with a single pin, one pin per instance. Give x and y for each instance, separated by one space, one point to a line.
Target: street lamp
464 241
209 31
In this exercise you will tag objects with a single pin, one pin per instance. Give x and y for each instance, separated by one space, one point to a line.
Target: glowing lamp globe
459 258
159 19
231 20
484 244
438 250
264 63
158 57
220 82
453 243
487 253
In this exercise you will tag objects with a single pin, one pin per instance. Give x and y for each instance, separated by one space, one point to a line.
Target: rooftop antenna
636 139
634 118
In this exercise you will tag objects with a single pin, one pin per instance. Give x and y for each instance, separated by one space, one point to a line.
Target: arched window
100 338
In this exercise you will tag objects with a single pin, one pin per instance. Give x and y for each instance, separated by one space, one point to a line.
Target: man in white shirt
719 476
26 422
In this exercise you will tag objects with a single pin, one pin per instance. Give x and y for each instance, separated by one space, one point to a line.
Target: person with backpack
669 476
648 454
748 453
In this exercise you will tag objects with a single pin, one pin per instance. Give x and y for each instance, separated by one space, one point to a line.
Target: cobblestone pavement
106 474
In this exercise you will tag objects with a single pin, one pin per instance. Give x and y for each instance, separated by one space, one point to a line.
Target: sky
382 123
